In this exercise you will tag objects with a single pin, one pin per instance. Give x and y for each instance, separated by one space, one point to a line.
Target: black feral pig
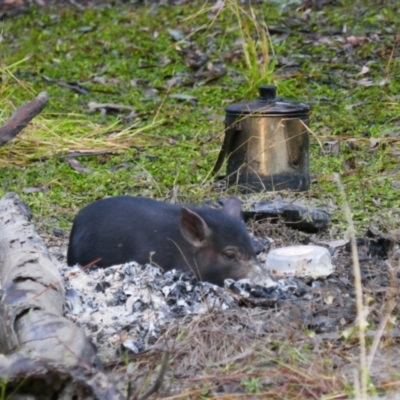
214 244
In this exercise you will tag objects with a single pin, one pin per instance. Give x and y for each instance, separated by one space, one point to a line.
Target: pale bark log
35 338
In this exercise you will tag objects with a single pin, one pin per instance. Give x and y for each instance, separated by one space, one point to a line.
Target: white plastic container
301 261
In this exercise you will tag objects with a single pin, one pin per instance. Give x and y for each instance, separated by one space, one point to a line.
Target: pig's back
124 228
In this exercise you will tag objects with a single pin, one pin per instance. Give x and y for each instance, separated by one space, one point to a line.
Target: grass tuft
258 52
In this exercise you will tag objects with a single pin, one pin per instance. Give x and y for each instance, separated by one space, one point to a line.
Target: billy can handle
226 148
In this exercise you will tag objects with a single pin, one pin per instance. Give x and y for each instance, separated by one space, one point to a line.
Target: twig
21 118
361 317
391 304
88 153
158 382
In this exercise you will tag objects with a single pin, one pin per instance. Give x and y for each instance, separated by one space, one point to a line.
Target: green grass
177 142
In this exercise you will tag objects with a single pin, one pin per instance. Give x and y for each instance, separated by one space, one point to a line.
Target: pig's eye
229 255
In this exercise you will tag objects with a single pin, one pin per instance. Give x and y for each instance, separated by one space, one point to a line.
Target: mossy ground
124 45
173 144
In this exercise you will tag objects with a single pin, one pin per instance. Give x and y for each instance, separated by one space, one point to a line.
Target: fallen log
43 352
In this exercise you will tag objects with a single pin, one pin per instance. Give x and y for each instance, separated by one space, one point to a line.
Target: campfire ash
131 305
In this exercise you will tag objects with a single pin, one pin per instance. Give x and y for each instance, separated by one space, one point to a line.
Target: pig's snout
246 269
234 262
249 268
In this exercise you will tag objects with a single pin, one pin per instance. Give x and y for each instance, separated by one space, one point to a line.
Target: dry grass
245 354
48 135
52 134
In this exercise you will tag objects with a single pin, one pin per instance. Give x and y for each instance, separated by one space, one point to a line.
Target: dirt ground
323 311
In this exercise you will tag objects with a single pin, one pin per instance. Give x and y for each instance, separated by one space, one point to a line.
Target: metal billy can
267 144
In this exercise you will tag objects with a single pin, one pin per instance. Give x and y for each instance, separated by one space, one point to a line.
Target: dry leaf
355 40
74 164
364 70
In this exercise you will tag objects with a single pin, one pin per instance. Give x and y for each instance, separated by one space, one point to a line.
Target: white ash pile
129 306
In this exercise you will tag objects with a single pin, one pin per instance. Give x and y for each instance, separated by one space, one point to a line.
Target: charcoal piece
174 276
93 327
322 324
102 286
179 310
380 244
241 287
300 218
179 290
360 242
59 232
139 305
120 297
262 292
301 288
171 301
380 247
377 244
261 245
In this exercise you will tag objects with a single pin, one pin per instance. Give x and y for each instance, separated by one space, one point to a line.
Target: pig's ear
233 207
194 228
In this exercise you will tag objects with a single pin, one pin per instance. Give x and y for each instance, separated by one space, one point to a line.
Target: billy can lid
269 104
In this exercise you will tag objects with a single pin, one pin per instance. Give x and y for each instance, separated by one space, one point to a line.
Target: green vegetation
173 143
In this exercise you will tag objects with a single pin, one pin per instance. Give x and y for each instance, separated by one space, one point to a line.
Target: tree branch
21 118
